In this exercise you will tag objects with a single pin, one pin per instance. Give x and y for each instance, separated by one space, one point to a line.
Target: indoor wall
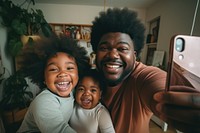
176 17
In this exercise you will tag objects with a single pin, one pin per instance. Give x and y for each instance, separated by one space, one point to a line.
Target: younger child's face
88 93
61 74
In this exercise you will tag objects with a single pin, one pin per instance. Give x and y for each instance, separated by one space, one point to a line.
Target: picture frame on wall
155 33
154 29
158 58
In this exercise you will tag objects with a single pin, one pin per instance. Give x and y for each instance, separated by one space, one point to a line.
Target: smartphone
184 62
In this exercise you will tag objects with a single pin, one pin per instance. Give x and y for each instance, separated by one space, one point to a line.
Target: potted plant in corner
22 22
15 99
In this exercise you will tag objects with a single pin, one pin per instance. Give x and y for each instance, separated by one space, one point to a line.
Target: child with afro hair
54 64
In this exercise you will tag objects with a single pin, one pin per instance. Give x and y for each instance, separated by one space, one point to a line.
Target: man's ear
135 53
136 56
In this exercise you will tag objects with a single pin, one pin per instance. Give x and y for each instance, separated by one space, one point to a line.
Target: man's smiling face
115 57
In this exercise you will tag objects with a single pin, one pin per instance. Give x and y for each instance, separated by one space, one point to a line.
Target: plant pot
14 116
24 39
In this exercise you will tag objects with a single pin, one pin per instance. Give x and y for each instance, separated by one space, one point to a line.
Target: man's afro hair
118 20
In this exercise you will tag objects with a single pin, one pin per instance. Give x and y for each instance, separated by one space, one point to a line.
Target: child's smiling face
61 74
88 93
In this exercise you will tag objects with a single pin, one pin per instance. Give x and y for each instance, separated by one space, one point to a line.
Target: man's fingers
185 99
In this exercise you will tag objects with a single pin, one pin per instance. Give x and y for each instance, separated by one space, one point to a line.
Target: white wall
57 13
176 18
77 14
6 60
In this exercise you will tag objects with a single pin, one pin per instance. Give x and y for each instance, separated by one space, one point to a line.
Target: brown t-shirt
128 102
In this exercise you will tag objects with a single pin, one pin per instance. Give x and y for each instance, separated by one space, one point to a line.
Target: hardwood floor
154 128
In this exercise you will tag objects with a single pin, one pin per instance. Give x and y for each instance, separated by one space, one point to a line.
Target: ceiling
108 3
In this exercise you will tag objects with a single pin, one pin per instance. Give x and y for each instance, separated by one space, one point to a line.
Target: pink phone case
184 62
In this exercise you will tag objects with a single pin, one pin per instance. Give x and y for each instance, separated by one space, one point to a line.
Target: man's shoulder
141 68
143 72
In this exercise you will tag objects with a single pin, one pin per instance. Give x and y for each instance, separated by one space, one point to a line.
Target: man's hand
180 108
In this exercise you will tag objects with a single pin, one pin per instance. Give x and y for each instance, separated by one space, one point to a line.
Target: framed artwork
158 58
154 29
155 33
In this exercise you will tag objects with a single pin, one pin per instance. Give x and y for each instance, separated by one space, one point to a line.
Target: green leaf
19 28
14 47
47 31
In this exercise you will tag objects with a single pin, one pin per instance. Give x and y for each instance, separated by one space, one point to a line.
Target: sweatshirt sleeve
105 122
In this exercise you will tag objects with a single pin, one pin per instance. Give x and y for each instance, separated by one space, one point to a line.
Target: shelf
155 43
152 38
151 45
75 31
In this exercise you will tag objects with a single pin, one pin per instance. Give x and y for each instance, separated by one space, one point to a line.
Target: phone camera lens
179 44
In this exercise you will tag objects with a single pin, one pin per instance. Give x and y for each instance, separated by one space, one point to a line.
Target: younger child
89 115
53 64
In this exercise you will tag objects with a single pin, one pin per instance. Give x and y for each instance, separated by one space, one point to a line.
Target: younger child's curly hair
118 20
95 75
34 57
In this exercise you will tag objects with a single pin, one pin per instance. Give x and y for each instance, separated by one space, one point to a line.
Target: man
133 90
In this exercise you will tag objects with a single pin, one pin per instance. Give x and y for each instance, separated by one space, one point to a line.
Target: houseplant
1 76
20 21
15 97
15 101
